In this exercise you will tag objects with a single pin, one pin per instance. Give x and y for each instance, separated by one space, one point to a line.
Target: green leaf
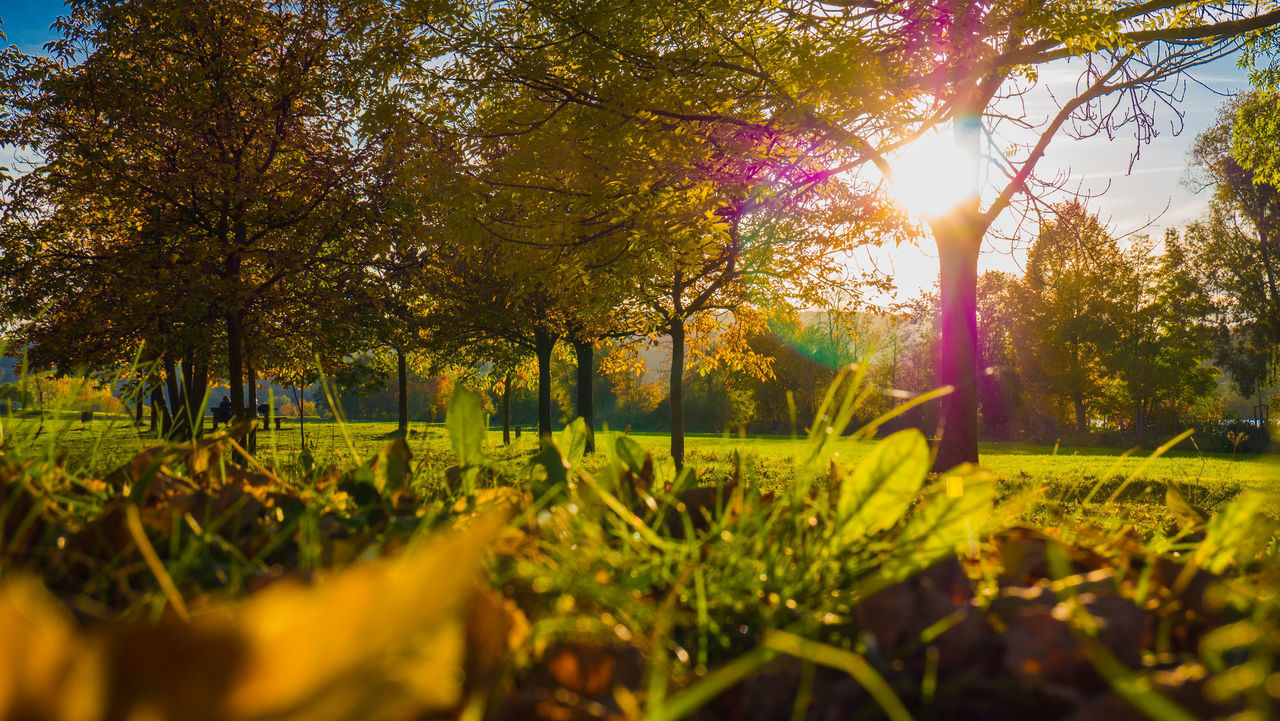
1235 532
573 441
391 468
466 424
952 515
829 424
883 485
630 454
557 472
1184 513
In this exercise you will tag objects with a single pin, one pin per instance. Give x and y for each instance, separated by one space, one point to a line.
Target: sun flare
933 175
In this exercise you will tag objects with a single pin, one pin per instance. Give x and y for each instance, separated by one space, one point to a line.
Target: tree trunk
958 245
958 235
235 316
402 387
176 428
171 382
506 410
1140 421
137 410
1082 420
677 392
235 363
191 399
189 407
251 443
196 392
585 353
544 343
188 377
300 397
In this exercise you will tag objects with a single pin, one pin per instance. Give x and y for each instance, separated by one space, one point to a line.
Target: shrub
1229 437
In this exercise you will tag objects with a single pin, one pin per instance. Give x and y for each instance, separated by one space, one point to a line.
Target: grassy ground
1206 478
607 579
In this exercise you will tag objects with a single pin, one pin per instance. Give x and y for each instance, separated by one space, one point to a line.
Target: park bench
222 416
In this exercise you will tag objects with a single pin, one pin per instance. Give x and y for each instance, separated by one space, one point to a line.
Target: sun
933 175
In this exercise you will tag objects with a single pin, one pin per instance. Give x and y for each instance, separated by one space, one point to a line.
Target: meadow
1059 474
453 575
109 441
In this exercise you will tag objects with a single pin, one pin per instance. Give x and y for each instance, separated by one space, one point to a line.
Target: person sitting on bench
222 413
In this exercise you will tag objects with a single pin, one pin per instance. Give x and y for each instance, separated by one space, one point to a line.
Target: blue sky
26 22
1131 200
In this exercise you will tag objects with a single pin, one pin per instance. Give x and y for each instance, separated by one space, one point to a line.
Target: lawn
1205 478
580 574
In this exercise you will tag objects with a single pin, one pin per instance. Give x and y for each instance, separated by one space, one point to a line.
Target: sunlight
933 175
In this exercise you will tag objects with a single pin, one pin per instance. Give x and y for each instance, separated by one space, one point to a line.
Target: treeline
1100 342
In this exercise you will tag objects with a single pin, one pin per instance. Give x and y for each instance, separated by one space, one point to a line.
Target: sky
26 22
1147 199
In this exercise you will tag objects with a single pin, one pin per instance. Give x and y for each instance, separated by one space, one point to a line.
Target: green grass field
1205 477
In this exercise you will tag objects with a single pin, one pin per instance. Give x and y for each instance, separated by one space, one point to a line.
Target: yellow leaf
46 670
313 652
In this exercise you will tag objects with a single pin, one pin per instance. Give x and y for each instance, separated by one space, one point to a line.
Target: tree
1225 257
534 243
992 50
800 370
851 84
102 328
408 200
215 142
708 219
1161 344
1111 333
13 396
1000 383
1236 250
1069 303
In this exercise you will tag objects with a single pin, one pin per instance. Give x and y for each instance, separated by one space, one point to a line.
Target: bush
1229 436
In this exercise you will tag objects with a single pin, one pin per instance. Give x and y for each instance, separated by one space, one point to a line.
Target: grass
1019 460
1051 483
108 442
591 563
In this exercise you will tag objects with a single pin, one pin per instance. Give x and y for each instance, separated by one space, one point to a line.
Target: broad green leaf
466 424
630 454
391 468
951 516
557 469
881 488
573 441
